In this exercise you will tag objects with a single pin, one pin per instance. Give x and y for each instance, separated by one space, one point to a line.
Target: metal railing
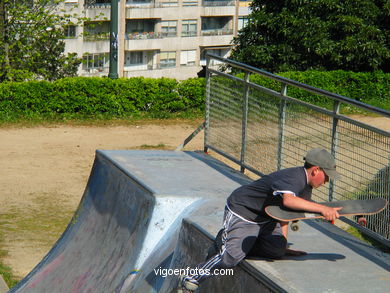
217 32
214 3
264 130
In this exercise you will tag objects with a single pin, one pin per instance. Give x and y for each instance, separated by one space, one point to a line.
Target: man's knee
273 246
229 261
277 247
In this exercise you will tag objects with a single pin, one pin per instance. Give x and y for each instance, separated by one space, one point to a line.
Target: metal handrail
302 85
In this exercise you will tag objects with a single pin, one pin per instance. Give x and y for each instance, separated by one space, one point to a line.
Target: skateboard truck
294 226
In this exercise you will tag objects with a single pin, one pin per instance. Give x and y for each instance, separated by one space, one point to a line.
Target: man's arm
284 226
296 203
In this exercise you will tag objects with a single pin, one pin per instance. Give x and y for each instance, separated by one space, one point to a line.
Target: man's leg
271 242
238 238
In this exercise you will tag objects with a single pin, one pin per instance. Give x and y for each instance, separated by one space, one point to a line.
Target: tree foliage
284 35
31 41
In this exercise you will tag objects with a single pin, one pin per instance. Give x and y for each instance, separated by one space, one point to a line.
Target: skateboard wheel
294 227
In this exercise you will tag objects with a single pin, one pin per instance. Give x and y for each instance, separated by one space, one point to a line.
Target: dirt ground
44 171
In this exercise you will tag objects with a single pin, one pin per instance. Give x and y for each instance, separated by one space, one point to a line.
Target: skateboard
349 208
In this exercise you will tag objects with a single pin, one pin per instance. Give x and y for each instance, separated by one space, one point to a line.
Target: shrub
370 88
94 97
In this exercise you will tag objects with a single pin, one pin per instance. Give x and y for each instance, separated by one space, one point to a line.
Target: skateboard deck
349 208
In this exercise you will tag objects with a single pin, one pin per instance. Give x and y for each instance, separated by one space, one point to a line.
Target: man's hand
330 214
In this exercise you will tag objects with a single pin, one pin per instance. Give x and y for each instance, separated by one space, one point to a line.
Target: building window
96 61
167 59
166 3
242 21
140 26
190 2
93 2
189 28
187 58
222 52
169 28
94 31
217 25
218 2
135 58
70 31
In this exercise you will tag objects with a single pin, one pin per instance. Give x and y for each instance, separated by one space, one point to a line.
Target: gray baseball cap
323 159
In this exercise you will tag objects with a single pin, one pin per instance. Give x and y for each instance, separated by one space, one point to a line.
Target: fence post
334 142
244 121
207 110
282 121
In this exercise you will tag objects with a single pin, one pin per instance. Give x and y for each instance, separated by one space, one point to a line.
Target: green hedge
371 88
83 97
99 97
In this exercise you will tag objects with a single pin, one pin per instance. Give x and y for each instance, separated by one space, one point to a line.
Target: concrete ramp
144 212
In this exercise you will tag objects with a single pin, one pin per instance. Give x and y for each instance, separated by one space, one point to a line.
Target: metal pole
282 121
244 122
114 40
334 141
207 114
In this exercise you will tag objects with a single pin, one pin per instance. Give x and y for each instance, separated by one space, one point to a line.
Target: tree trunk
4 50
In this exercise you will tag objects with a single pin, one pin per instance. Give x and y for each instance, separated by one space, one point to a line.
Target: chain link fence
264 130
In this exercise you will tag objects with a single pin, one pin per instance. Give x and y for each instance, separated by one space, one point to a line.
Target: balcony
144 36
96 31
189 33
151 3
217 32
218 3
97 3
96 37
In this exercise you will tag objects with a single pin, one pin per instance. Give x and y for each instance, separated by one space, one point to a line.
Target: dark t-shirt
249 201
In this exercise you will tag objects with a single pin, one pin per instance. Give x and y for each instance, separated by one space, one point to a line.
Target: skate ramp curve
132 208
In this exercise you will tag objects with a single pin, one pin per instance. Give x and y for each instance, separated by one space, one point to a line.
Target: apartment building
157 38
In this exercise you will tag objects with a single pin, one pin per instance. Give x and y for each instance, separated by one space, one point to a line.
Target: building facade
157 38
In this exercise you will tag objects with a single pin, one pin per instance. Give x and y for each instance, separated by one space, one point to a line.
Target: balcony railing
190 2
217 32
96 37
143 4
150 4
218 3
97 3
188 33
168 34
144 36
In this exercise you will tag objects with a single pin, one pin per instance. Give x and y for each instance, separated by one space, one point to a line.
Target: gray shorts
241 238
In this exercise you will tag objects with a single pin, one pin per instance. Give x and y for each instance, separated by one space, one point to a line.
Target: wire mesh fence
264 130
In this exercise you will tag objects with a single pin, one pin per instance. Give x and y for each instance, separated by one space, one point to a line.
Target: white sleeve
280 192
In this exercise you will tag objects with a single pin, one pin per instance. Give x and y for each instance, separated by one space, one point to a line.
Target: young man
247 230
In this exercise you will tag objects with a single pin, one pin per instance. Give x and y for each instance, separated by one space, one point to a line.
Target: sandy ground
48 167
56 161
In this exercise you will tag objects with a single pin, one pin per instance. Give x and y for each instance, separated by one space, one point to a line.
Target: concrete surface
3 285
144 211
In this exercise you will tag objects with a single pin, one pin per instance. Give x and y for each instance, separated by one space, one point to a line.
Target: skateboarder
248 231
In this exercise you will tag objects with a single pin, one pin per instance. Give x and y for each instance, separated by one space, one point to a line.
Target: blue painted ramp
133 204
149 211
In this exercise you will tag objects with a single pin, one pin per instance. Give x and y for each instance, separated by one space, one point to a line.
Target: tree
316 34
31 45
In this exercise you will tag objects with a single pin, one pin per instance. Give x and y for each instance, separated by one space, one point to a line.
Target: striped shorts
242 238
